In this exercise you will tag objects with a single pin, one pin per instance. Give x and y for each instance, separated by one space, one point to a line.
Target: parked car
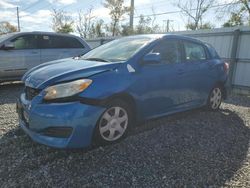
98 97
20 52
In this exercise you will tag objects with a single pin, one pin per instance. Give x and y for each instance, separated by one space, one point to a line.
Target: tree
127 30
206 25
117 11
62 22
235 20
6 27
84 23
98 28
143 26
195 11
239 12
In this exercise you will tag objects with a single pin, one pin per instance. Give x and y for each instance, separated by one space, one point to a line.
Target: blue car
98 97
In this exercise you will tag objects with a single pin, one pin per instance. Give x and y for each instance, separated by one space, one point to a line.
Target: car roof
43 33
166 36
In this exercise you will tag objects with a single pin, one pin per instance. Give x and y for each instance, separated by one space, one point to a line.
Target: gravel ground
191 149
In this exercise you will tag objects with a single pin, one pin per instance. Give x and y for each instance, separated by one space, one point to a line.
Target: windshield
117 50
4 37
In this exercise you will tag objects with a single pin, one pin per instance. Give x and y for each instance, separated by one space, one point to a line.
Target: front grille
30 93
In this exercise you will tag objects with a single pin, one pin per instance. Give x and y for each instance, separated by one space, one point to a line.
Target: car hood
64 70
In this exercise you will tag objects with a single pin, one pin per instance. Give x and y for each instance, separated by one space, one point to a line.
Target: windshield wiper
97 59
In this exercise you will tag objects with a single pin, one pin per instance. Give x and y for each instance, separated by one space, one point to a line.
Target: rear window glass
213 53
194 51
60 42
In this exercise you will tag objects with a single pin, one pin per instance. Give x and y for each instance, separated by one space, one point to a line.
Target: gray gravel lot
197 148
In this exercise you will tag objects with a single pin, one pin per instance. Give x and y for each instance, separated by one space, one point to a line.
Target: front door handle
181 71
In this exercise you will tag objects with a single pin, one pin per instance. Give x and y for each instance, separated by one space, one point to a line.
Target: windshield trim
6 36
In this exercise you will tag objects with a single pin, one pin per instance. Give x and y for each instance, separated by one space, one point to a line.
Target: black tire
215 98
100 138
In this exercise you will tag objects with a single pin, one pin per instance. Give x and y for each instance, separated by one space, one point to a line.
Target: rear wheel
215 98
114 123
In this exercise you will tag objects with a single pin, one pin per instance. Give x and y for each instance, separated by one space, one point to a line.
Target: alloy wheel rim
113 123
215 98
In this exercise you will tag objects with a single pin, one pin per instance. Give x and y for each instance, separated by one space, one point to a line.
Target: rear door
25 55
58 47
196 71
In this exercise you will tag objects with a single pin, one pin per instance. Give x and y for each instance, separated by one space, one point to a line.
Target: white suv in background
20 52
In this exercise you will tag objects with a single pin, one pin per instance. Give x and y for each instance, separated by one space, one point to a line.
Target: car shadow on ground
9 92
239 100
194 148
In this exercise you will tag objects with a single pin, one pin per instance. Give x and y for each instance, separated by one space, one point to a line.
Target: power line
32 5
32 12
149 6
180 11
68 6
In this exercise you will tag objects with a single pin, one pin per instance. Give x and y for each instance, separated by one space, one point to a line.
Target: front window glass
117 50
169 50
25 42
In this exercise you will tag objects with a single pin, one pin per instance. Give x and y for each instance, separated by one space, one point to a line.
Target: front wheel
114 123
215 98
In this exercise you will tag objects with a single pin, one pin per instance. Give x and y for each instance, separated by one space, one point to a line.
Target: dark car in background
22 51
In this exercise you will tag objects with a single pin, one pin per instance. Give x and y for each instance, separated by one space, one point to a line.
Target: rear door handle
34 52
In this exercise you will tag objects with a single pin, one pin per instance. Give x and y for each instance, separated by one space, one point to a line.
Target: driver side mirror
152 58
8 46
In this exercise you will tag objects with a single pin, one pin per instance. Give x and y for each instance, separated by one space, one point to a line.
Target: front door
25 55
160 85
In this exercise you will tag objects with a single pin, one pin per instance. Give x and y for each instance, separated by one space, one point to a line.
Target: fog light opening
58 132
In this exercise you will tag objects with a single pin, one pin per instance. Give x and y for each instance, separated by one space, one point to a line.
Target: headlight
66 89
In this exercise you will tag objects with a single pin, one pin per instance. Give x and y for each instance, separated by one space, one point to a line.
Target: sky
35 15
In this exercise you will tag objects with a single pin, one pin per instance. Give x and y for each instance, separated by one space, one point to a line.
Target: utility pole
131 21
167 26
18 22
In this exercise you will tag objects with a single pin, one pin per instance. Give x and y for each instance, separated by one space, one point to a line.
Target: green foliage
127 30
192 26
240 14
235 20
145 26
97 29
207 25
66 28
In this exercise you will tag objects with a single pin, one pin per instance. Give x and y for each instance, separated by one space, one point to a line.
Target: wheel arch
223 88
129 99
